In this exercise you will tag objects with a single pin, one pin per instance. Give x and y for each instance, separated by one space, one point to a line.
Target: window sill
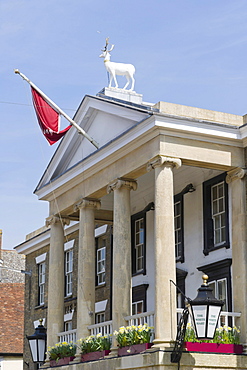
207 251
100 286
41 306
139 273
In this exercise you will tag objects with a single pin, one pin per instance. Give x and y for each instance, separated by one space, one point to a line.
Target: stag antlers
106 45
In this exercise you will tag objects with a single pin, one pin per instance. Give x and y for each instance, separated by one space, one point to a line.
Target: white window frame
41 283
218 214
139 246
178 229
68 326
134 304
68 272
216 282
99 317
101 265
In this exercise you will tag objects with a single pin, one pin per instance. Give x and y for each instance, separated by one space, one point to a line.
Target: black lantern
205 311
37 343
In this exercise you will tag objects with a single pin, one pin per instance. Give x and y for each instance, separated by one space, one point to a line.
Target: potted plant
94 347
133 339
226 340
61 353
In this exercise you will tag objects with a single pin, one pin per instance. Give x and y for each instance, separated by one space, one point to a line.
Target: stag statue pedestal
121 94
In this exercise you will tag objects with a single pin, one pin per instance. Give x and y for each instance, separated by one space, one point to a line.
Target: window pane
221 190
214 192
213 286
221 204
223 220
141 237
137 239
137 226
222 292
134 309
223 233
139 244
101 253
215 208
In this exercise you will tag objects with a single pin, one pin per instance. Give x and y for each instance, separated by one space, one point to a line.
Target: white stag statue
119 69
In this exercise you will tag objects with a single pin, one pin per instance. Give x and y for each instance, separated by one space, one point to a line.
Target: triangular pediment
104 120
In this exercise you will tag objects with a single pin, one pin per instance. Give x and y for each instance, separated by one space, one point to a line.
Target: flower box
214 347
92 356
135 348
61 361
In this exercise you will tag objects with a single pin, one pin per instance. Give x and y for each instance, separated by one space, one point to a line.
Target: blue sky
191 52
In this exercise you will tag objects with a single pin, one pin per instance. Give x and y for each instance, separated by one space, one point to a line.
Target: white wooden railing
105 328
224 317
141 319
67 336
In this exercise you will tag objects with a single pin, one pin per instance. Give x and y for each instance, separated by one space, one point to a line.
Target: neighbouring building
12 309
162 200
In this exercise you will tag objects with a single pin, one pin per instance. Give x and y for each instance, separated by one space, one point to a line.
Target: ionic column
121 290
86 266
164 249
237 183
55 312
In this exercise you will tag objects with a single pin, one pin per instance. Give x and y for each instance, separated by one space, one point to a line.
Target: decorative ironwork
179 344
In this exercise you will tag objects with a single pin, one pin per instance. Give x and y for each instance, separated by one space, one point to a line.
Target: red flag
48 118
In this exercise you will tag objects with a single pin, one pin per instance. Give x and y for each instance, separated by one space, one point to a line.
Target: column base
163 344
113 353
76 359
244 348
45 365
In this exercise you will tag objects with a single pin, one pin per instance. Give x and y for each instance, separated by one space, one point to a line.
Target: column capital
235 174
52 220
87 203
160 160
122 183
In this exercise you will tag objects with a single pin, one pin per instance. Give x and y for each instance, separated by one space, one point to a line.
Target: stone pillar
86 266
55 314
121 290
237 183
164 249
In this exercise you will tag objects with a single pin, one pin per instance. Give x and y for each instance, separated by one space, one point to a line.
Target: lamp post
37 343
205 311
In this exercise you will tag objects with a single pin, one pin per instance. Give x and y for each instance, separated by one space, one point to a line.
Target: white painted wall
193 228
11 363
105 127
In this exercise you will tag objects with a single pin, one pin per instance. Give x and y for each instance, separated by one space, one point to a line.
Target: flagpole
79 129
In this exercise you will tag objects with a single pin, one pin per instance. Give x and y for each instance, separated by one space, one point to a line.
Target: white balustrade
141 319
105 328
226 318
67 336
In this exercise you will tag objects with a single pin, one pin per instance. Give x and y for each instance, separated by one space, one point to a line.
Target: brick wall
12 317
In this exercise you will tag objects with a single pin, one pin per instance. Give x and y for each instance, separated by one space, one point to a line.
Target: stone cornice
52 220
120 183
235 174
87 203
163 161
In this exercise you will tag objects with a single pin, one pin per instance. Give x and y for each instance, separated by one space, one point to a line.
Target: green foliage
94 343
61 350
129 335
223 334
